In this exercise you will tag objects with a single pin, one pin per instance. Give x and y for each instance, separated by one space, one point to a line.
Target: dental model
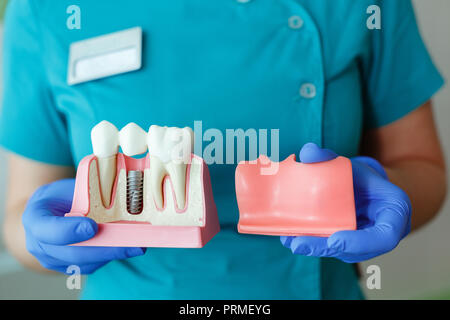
170 151
298 199
105 143
162 199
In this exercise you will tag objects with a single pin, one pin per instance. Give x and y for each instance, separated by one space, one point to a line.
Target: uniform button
295 22
308 90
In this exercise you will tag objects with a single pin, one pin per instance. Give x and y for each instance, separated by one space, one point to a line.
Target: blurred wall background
418 268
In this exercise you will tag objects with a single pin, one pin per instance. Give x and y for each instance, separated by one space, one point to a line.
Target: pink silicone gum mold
144 234
297 199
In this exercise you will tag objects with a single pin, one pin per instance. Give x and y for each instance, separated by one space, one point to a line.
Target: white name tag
105 56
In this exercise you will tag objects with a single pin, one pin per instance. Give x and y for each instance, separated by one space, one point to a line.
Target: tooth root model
105 144
161 200
170 151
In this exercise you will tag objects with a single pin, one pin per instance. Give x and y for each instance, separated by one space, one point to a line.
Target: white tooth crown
133 140
171 143
105 139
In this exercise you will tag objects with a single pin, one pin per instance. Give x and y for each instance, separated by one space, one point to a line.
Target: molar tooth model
298 199
164 199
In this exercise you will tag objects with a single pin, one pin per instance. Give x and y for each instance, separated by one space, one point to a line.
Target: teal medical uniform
311 69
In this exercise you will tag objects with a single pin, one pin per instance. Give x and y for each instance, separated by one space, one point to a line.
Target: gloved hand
48 232
383 213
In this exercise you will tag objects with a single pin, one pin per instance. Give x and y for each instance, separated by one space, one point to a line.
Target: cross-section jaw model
162 200
314 199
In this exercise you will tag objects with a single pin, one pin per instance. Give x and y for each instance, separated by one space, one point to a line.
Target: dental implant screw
135 191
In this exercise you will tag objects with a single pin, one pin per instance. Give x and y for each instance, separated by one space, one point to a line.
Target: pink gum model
296 199
144 234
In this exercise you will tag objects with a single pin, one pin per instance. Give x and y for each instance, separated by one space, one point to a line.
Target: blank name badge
105 56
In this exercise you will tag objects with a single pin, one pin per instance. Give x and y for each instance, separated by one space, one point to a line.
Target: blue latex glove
383 213
48 232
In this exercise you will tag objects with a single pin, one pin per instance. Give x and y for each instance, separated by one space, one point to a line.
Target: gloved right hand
383 213
49 233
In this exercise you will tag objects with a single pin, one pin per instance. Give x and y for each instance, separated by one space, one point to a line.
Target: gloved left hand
48 233
383 213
